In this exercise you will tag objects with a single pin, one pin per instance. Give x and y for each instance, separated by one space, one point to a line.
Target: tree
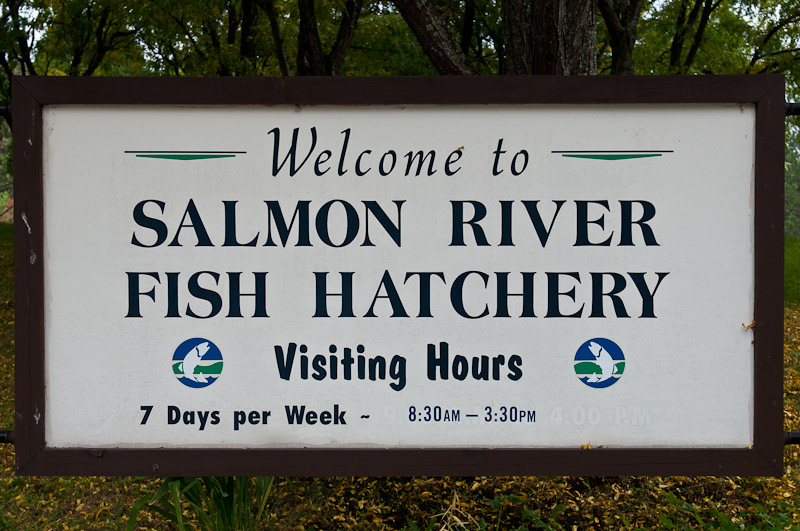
216 38
622 21
695 36
18 25
81 35
687 25
792 194
543 37
311 59
434 36
249 37
75 38
403 37
383 44
775 41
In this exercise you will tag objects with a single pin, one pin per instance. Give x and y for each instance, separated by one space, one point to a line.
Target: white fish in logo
604 361
192 360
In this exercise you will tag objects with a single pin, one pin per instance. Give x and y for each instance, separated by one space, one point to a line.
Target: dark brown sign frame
34 457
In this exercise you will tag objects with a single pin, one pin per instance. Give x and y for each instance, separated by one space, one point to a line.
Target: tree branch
708 7
25 58
106 40
233 23
310 59
467 26
769 35
280 50
682 25
610 17
436 40
188 35
4 64
622 24
249 20
344 36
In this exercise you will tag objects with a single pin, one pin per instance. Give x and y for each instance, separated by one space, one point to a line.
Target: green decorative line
610 157
621 154
171 156
186 155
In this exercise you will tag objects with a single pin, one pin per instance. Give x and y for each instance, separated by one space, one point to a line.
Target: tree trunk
683 23
540 37
347 28
621 23
564 37
310 59
517 37
708 7
277 38
249 20
467 26
435 38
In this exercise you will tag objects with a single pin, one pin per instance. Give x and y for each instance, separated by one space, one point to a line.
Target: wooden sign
399 276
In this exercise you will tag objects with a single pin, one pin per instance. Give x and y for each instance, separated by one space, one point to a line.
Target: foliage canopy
373 37
404 37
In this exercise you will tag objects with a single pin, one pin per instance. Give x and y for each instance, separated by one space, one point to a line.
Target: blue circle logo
197 362
599 363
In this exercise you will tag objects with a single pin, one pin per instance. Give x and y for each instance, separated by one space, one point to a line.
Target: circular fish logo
599 362
197 362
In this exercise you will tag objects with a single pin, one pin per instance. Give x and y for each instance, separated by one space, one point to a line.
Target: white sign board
399 276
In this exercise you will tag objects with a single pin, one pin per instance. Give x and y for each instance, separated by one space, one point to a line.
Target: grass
791 275
466 503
